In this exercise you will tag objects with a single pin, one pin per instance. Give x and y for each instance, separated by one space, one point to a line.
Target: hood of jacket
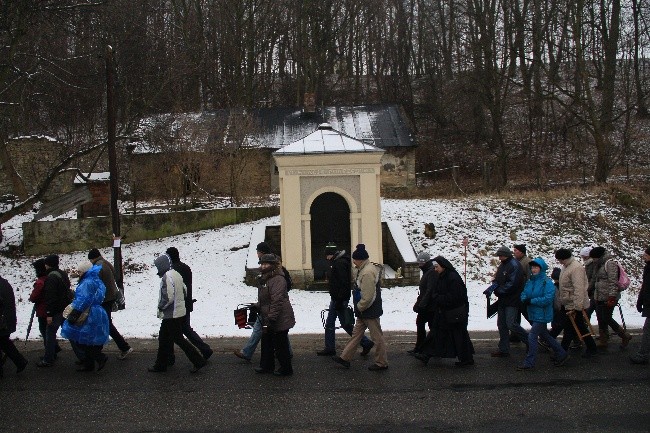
163 263
542 264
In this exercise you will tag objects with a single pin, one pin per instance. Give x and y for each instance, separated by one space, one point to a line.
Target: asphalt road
606 394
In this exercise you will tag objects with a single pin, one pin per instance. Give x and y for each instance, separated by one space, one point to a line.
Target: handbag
67 312
347 317
456 315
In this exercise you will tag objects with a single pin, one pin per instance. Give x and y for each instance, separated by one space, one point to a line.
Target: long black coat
448 340
644 294
7 306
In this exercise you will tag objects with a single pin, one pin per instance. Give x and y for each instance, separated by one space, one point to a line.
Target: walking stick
31 321
620 310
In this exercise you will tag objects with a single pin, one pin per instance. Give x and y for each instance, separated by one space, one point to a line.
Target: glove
639 306
73 316
487 292
612 301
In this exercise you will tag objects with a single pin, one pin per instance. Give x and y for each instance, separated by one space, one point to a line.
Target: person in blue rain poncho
91 335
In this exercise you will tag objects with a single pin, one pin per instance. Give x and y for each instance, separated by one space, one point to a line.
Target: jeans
50 338
249 349
114 333
330 328
506 322
538 329
644 350
42 327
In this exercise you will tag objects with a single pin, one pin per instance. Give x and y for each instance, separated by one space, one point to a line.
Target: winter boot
602 340
625 338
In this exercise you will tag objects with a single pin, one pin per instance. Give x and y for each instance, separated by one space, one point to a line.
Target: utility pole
112 167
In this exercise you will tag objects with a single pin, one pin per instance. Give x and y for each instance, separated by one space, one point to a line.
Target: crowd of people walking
566 298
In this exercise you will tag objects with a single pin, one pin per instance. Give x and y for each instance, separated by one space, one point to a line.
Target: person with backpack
606 294
642 356
110 303
38 298
57 296
367 309
339 275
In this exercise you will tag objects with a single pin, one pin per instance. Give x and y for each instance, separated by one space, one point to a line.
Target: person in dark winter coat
277 318
107 275
8 326
448 339
537 297
423 308
38 298
643 307
57 297
91 335
510 280
339 282
186 273
171 311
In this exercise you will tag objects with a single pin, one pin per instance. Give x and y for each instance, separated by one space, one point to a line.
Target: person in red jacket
38 298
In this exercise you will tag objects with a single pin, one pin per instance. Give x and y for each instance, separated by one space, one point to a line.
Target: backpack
623 280
287 278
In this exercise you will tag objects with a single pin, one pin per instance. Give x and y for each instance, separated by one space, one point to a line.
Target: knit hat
93 254
172 252
263 248
360 253
83 267
585 251
52 261
330 249
520 247
563 254
268 258
163 263
597 252
39 266
423 257
503 251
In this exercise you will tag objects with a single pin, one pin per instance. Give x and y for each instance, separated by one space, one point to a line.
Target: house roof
326 140
379 125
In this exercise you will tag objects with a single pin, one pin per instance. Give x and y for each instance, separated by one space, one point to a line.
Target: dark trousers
42 328
276 344
92 354
570 333
112 330
50 338
604 314
171 331
194 338
7 346
421 322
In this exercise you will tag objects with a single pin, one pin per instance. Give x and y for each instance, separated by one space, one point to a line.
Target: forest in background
502 88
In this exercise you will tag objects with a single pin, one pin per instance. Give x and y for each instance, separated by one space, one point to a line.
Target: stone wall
64 236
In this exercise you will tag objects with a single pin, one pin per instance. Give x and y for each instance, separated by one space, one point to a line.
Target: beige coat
573 286
366 277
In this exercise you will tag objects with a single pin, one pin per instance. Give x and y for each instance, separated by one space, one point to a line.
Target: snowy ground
218 257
